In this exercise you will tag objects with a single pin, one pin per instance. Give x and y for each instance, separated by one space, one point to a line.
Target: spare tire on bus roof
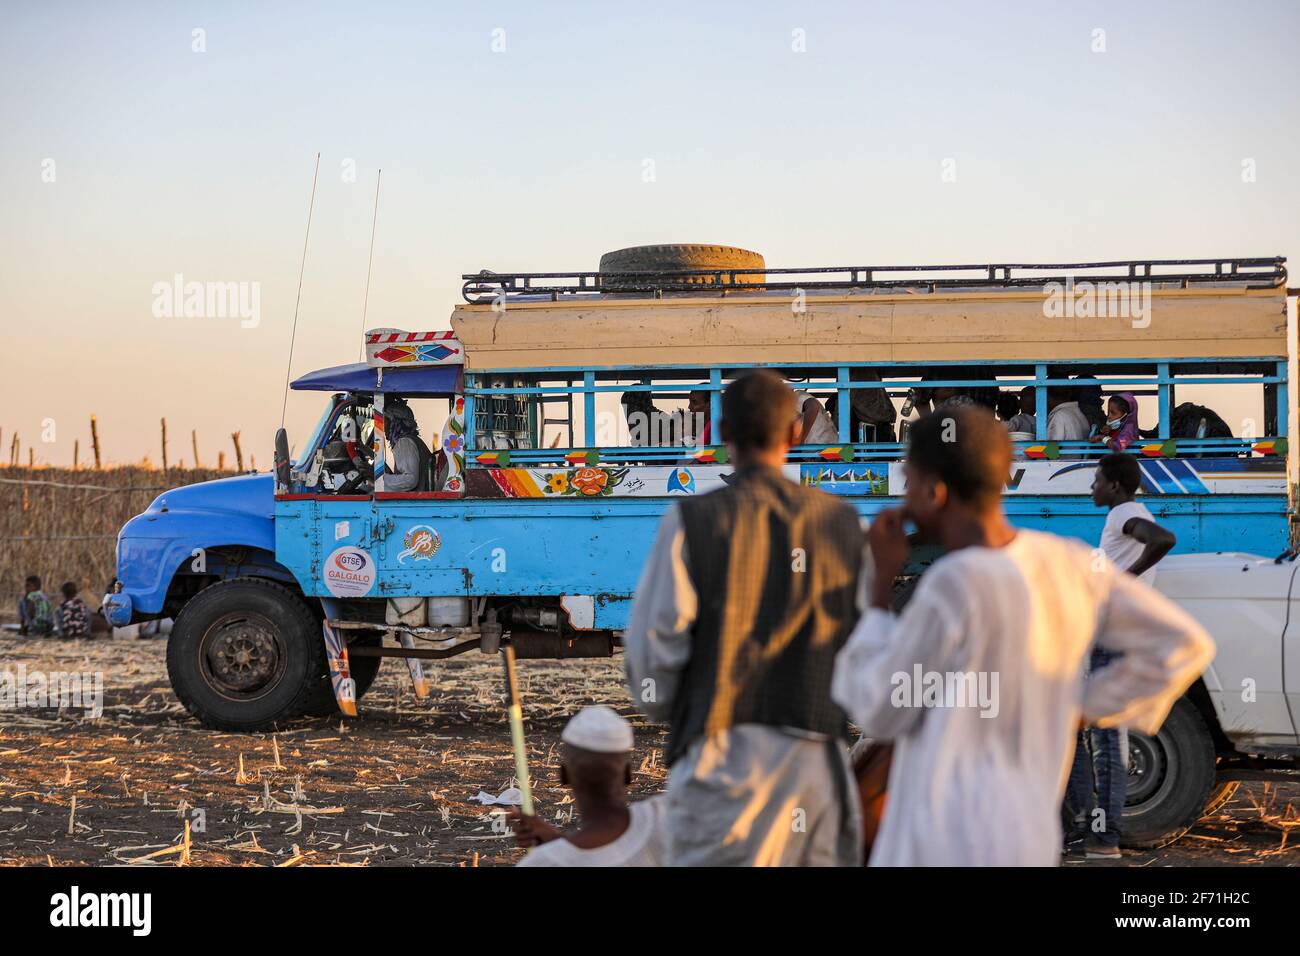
680 257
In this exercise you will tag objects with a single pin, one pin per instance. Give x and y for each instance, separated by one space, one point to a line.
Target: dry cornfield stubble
395 786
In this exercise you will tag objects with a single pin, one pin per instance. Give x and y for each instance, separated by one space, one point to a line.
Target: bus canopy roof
359 377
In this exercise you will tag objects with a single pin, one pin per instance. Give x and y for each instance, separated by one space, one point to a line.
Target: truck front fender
155 546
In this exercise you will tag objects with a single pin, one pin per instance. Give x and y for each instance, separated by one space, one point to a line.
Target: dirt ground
394 787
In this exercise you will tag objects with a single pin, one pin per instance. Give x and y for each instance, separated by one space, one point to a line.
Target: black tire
680 258
1171 779
245 655
364 670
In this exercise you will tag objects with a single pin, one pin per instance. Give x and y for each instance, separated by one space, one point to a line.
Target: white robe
973 790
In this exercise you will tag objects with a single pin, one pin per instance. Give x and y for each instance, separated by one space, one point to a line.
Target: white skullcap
600 730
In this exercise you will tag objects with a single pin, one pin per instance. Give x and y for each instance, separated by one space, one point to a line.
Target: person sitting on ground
411 456
815 425
1121 427
35 616
73 616
1011 412
1065 420
595 764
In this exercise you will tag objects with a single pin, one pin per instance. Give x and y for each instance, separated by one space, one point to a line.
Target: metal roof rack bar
1264 272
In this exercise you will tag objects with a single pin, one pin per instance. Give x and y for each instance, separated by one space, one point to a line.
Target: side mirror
282 464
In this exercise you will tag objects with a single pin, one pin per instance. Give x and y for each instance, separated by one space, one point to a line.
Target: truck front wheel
245 655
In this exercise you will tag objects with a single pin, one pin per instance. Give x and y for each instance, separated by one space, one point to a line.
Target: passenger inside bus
649 426
871 411
412 460
1016 411
1121 427
699 429
816 427
676 413
1065 420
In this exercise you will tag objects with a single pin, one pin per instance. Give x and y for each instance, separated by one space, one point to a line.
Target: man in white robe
979 680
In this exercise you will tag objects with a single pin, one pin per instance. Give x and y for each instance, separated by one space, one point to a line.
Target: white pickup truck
1241 719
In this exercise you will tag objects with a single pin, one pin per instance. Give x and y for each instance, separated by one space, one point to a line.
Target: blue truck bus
562 413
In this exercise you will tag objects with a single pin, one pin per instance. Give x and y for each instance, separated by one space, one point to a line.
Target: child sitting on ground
73 617
597 745
35 618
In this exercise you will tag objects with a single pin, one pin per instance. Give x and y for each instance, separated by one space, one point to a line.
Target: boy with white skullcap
597 744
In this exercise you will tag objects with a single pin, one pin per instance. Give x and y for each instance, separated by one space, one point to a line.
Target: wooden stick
194 444
94 440
76 453
239 454
164 444
517 731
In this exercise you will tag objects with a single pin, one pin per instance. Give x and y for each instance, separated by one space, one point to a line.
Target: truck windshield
327 415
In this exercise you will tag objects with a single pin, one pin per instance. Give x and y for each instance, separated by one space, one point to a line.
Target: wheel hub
1146 767
242 655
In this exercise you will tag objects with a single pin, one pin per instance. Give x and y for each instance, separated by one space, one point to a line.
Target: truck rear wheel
245 655
1171 779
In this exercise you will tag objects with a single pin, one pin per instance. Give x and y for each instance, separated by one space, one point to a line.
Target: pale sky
168 161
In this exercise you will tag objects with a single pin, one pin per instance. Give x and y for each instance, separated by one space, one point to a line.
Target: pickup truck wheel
244 655
364 670
1171 777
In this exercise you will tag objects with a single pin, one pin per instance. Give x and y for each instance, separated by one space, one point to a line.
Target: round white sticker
349 572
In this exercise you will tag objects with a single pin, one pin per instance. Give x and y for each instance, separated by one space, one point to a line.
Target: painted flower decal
454 443
590 481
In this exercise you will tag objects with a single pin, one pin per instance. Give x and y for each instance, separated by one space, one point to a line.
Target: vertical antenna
293 334
365 303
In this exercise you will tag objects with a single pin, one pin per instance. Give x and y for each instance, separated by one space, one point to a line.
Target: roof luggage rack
1260 273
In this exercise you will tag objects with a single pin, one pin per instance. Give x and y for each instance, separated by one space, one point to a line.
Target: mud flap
336 653
416 668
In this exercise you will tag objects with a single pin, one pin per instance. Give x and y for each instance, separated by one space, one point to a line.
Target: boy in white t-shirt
1131 538
595 765
1133 542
